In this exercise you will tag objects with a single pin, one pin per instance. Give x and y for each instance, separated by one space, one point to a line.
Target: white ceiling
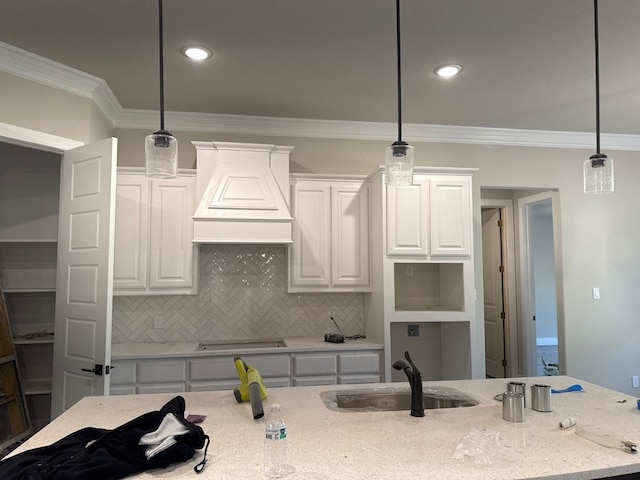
528 64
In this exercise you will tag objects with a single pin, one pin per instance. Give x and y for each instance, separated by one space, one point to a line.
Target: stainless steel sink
242 345
394 398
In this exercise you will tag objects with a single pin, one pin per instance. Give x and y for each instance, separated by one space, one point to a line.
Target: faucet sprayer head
403 365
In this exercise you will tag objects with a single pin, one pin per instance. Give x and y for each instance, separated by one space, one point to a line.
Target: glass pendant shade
161 154
398 164
598 174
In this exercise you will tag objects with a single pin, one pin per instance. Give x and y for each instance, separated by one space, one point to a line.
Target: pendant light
161 148
399 155
598 169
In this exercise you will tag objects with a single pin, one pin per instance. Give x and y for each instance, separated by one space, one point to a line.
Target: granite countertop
327 444
121 351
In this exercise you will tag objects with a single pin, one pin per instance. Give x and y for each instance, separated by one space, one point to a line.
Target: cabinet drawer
123 374
351 363
317 380
224 367
212 368
358 379
161 388
315 364
128 390
214 386
162 371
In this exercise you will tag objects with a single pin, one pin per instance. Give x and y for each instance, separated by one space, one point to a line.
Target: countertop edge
136 351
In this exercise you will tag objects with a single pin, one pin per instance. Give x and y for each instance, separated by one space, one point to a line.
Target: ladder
15 423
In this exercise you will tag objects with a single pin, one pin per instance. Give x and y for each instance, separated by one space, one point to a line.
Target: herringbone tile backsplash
242 295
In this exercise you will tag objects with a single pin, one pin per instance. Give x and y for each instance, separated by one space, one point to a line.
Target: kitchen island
327 442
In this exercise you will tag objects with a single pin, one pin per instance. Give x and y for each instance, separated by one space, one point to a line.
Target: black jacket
96 453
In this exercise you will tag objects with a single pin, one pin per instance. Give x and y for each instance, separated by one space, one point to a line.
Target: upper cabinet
330 250
154 254
431 218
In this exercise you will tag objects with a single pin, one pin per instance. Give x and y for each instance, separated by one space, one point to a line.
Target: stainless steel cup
513 406
541 397
518 387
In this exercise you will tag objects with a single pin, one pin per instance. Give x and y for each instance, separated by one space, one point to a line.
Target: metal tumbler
518 387
513 407
541 397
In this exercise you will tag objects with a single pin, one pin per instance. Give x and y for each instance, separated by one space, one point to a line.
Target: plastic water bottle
275 443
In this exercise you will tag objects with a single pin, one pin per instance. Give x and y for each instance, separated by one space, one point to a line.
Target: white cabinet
430 218
154 254
336 367
219 372
330 250
423 272
149 376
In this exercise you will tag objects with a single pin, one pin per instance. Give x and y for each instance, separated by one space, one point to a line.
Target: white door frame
527 304
511 330
34 139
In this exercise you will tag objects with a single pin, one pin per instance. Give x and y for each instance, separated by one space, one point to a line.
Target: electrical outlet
634 381
158 321
332 316
413 330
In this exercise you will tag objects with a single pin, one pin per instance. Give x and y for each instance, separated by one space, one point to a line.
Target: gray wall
598 234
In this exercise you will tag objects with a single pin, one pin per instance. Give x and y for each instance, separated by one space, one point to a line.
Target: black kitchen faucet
415 381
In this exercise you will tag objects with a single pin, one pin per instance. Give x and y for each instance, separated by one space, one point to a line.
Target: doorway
540 260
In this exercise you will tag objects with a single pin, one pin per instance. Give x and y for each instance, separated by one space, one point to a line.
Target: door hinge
501 269
504 362
503 315
500 223
534 318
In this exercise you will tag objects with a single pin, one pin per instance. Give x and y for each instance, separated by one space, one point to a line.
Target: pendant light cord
595 9
161 43
399 71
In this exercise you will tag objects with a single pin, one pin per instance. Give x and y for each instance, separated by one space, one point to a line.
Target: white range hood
243 191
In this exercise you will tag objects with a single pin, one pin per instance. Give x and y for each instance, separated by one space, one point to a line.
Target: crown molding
52 74
309 128
56 75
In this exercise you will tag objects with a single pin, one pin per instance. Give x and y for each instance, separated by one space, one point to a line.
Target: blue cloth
572 388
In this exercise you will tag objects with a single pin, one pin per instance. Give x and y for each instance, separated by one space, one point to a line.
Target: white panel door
450 212
172 206
494 339
84 283
311 249
131 232
407 218
350 235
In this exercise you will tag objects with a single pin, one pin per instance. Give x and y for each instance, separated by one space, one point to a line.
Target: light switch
596 293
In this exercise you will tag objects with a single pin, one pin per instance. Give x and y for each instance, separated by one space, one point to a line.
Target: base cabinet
332 368
148 376
198 374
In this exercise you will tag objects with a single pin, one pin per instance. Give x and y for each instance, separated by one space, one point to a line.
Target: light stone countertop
122 351
326 444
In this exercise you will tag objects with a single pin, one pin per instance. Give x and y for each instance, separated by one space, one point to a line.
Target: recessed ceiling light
196 52
447 71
